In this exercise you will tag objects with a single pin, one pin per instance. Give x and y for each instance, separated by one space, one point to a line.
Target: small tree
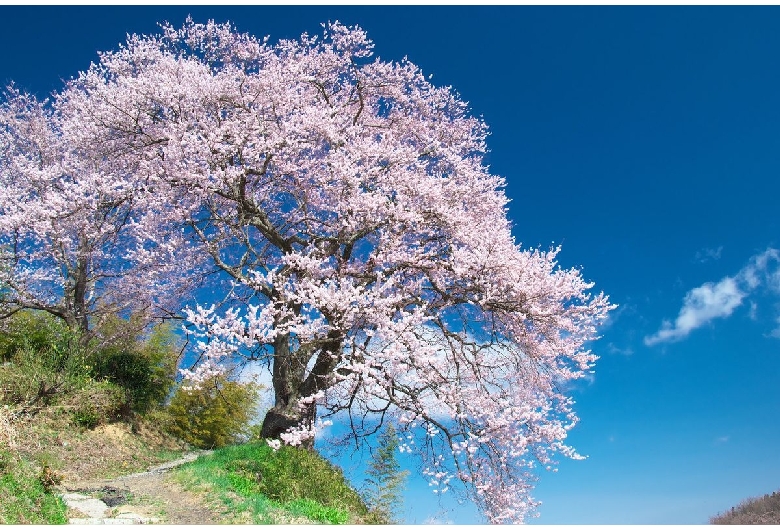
214 414
144 366
73 238
385 482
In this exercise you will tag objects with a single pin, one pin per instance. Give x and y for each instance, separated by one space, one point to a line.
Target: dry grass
81 454
8 431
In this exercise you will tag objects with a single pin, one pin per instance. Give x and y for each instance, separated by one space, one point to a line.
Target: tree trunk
278 420
76 306
289 369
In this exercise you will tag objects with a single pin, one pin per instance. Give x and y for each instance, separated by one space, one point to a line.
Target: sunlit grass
24 494
257 485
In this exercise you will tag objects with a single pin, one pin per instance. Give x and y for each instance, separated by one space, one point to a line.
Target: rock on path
96 512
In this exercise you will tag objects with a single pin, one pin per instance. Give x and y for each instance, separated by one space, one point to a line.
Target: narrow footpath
149 497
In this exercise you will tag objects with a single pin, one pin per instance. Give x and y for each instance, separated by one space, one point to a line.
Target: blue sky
645 141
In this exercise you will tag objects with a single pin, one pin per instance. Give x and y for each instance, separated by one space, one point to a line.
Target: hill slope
246 484
757 510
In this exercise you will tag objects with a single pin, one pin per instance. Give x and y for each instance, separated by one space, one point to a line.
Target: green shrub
34 330
21 380
145 369
215 414
42 359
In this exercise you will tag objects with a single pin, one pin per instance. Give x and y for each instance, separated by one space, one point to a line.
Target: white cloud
700 306
776 332
753 314
719 300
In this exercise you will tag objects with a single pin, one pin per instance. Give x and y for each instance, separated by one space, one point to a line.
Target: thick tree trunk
277 421
289 370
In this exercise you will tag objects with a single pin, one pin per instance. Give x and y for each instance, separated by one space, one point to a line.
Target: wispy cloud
776 332
707 254
719 299
616 350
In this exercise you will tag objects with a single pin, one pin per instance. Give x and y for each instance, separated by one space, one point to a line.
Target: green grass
261 486
24 495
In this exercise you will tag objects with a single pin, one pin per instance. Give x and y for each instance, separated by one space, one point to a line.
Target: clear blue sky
645 141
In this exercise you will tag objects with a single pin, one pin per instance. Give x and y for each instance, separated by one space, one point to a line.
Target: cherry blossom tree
69 219
370 257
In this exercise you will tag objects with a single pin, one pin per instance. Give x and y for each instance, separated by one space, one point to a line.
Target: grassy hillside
25 493
243 484
72 413
258 485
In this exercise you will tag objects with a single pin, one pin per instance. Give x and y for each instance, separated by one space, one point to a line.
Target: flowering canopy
371 259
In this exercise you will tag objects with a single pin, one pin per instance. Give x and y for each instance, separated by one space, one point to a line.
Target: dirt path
148 497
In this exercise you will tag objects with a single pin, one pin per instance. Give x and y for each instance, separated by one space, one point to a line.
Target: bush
32 330
97 402
41 359
215 414
145 369
32 378
112 376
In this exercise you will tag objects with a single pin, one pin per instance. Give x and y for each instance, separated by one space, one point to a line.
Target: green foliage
41 358
385 481
145 369
215 414
297 480
25 494
33 330
756 510
32 379
96 402
45 364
